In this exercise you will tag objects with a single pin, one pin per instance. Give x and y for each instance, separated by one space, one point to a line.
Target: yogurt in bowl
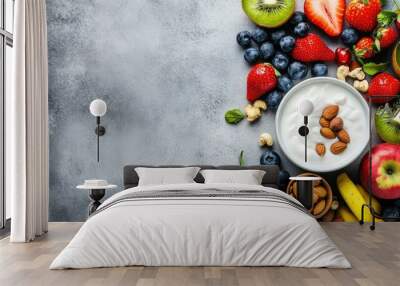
321 92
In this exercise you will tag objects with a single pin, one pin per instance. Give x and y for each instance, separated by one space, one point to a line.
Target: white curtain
27 123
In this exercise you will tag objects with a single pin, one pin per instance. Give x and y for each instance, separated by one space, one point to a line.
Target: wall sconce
305 108
98 108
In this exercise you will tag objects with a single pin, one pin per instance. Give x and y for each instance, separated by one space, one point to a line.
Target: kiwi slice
269 13
387 123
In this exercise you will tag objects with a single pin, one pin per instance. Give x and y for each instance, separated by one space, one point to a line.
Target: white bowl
322 91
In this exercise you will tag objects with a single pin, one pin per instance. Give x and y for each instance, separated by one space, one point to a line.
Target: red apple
385 171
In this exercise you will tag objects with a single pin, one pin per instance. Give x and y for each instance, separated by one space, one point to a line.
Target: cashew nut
260 104
342 72
252 113
265 140
361 86
357 73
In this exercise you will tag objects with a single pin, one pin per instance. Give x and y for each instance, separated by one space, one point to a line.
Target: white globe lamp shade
98 107
305 107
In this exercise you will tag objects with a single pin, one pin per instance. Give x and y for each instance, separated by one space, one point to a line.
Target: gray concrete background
168 71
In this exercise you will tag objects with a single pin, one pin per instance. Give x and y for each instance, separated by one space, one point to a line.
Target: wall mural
282 50
179 90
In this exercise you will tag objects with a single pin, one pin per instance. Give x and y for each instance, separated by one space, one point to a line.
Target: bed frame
271 178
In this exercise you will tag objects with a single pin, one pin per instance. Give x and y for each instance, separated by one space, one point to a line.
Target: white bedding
185 231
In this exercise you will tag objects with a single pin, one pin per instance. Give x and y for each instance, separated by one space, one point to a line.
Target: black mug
305 193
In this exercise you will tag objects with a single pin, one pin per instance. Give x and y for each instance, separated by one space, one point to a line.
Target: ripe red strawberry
312 48
326 14
361 14
343 56
260 80
383 84
385 37
365 48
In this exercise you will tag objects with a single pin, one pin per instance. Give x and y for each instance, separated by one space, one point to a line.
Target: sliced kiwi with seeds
269 13
387 122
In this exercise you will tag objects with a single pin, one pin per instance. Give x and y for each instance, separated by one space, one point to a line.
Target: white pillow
248 177
165 176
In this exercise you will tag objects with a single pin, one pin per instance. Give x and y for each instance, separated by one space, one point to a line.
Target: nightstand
97 190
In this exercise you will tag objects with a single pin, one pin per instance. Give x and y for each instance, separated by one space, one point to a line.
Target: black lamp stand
100 131
303 131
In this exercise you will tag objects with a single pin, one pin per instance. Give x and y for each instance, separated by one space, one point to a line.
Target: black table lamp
305 108
98 108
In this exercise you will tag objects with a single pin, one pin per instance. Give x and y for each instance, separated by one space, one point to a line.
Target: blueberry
259 36
297 18
297 70
280 61
244 39
301 29
277 35
251 55
273 100
284 83
319 69
349 36
270 157
287 43
267 50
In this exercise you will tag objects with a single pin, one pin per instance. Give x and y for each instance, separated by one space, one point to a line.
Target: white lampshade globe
98 107
305 107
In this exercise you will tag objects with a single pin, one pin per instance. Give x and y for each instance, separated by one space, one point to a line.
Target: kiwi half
269 13
387 123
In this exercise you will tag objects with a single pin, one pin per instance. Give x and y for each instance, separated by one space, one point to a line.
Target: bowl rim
341 164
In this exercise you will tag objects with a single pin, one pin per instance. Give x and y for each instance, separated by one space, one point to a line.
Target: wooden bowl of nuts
322 195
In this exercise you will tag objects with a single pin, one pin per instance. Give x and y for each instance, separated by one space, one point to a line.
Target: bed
197 224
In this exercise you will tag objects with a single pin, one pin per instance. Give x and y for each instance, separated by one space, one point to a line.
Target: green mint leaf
386 18
241 158
234 116
374 68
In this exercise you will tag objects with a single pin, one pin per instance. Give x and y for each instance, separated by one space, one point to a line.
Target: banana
346 215
353 197
374 202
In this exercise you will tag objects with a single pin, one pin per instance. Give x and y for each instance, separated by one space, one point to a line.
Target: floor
375 257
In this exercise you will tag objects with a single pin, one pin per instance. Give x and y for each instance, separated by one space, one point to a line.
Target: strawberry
326 14
260 80
364 48
361 14
385 37
312 48
383 84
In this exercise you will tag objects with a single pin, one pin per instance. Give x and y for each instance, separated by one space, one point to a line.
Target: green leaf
386 18
373 68
241 158
234 116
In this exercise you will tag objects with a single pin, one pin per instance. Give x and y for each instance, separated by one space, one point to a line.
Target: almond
338 147
336 124
319 208
320 149
330 112
323 122
327 133
320 191
343 136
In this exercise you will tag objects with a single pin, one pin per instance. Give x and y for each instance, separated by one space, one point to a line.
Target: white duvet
202 231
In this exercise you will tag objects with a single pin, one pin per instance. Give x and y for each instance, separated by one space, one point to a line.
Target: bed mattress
201 225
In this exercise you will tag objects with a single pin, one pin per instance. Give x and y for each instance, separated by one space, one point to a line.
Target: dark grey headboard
270 179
